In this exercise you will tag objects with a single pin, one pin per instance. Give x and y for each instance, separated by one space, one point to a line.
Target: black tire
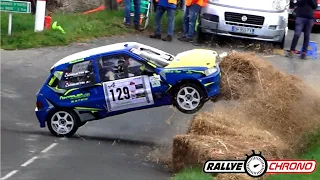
72 117
282 43
199 35
83 123
316 29
193 86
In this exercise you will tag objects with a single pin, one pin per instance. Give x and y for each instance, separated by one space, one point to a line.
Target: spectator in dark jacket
304 21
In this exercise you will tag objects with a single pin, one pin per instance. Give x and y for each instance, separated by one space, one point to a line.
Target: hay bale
281 103
196 149
274 112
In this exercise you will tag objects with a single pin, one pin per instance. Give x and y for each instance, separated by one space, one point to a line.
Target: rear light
39 105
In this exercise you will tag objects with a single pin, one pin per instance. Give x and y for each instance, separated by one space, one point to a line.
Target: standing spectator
162 6
304 21
154 5
136 20
193 8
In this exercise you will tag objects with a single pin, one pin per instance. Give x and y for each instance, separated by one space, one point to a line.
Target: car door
125 85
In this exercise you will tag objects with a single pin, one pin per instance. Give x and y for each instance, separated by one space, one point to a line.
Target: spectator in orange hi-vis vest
193 8
163 6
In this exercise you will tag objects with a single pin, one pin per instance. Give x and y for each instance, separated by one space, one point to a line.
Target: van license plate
242 30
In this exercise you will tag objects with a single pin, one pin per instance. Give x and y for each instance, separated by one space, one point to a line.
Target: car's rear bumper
41 116
212 84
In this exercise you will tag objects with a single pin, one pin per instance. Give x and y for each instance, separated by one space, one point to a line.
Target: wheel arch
56 108
175 87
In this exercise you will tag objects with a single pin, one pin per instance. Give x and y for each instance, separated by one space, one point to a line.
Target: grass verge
312 153
192 173
78 27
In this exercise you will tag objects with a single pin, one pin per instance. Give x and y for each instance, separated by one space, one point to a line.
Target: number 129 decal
124 90
128 93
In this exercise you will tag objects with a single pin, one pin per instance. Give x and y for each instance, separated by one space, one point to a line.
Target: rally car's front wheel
189 98
63 123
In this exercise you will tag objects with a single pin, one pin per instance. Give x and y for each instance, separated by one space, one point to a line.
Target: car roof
95 51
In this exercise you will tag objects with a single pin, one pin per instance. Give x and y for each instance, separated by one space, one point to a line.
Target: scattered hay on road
273 114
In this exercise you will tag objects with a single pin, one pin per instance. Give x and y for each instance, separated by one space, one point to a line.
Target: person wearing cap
193 8
163 6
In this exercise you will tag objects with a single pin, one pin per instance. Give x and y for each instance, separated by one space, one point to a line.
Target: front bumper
271 27
211 83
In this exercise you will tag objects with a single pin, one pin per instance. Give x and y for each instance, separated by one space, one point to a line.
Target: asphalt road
114 148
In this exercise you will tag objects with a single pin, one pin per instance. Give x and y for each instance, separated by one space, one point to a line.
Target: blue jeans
189 20
170 14
305 25
127 10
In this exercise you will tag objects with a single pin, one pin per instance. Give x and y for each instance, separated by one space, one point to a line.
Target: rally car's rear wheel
189 98
63 123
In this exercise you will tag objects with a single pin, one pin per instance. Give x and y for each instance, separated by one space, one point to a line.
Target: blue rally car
123 77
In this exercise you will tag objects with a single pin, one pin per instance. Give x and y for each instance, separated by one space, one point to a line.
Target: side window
120 66
78 75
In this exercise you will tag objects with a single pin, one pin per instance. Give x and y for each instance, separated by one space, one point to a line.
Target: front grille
210 17
251 19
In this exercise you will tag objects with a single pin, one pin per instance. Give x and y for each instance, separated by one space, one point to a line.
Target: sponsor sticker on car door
128 93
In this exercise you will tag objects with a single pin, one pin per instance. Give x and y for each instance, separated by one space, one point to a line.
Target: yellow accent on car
52 80
207 84
142 67
151 64
77 60
88 109
169 87
194 58
70 90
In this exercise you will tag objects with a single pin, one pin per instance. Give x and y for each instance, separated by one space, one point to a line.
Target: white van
265 20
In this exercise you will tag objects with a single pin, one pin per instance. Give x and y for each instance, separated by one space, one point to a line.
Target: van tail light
39 105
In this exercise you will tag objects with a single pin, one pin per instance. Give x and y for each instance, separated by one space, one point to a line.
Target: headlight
280 4
210 71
